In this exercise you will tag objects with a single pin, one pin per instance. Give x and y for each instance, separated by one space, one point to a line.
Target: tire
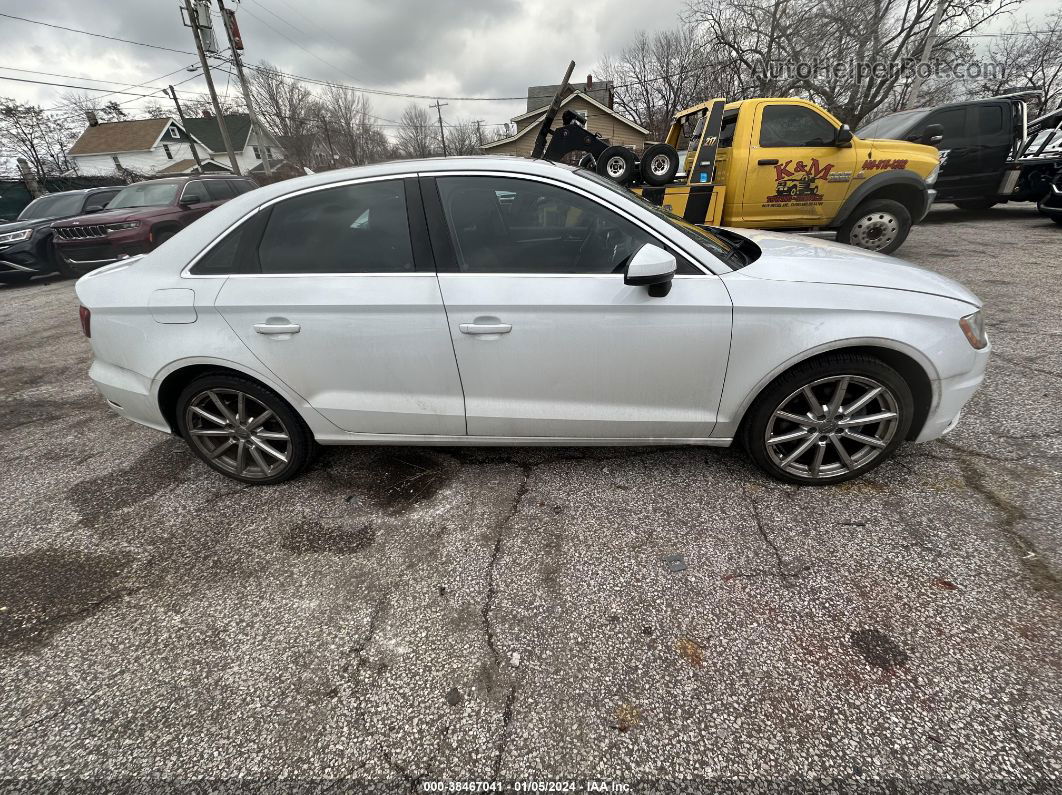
659 164
1057 219
879 225
587 161
976 204
616 163
251 450
162 237
16 278
829 429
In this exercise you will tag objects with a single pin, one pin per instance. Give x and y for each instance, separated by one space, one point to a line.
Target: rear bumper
128 394
955 392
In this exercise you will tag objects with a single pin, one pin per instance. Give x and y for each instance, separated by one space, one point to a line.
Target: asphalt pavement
408 615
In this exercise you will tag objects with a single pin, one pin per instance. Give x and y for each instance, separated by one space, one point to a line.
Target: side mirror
651 267
94 208
932 135
843 136
191 198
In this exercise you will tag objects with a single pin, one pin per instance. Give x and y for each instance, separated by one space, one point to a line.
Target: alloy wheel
659 165
875 231
616 166
238 433
832 426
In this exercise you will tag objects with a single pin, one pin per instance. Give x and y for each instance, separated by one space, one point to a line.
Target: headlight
932 178
973 326
15 237
123 225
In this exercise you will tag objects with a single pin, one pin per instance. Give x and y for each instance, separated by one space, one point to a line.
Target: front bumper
1051 204
22 258
94 252
931 196
954 393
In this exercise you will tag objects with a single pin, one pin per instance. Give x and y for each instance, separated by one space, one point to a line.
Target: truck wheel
877 225
976 204
587 161
616 163
659 165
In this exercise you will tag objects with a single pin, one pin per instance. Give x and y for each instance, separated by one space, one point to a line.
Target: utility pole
238 61
193 19
479 134
439 106
191 142
29 177
931 39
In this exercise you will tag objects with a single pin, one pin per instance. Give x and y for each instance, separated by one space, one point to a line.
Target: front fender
887 179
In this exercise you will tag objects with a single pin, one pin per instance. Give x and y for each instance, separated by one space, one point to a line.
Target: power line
98 35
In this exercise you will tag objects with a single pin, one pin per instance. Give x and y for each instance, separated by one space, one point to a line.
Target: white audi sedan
503 301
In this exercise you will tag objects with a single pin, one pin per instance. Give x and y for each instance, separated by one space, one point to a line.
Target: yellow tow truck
769 163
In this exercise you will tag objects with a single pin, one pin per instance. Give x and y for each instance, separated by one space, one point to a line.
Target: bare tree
418 135
657 75
848 55
1031 52
288 110
41 138
462 138
79 102
156 110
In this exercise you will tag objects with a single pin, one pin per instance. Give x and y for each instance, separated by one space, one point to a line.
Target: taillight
86 320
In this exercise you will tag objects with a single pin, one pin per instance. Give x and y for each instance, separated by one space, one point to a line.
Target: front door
796 176
549 340
343 306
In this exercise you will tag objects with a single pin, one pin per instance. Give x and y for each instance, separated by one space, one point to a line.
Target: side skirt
513 441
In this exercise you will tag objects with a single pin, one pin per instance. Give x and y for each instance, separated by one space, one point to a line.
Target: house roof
188 166
539 97
540 112
120 136
541 115
209 132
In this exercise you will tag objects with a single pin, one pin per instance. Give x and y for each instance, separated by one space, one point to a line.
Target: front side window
953 120
506 225
794 125
99 199
350 229
145 194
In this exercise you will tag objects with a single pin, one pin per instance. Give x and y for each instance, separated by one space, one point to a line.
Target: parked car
503 301
989 152
26 243
142 216
1051 204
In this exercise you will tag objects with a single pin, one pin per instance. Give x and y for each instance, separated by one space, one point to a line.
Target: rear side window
350 229
240 185
726 132
218 190
224 258
794 125
989 120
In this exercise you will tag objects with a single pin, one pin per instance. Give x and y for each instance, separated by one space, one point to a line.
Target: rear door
342 304
549 340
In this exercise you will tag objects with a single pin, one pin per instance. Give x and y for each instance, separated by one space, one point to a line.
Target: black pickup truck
989 150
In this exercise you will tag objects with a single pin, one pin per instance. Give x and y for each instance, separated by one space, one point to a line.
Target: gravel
405 615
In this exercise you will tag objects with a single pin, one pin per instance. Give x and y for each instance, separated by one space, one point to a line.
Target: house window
269 152
257 152
117 162
169 154
174 133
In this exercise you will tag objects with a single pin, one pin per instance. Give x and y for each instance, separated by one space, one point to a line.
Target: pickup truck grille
80 232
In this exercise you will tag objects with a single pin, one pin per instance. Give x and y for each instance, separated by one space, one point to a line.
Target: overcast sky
492 48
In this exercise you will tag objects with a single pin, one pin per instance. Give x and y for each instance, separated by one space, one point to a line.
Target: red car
140 217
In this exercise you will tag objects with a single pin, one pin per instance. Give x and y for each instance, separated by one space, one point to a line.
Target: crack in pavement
1019 363
1043 578
781 571
488 607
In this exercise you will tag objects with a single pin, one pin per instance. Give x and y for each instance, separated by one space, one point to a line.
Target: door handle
485 328
277 328
768 161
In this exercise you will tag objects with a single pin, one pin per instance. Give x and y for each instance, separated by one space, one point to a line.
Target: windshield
146 194
892 126
703 237
58 206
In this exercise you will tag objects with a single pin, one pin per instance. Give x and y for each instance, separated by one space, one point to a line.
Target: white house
162 147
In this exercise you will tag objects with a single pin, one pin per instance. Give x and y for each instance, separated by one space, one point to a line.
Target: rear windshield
58 206
892 126
146 194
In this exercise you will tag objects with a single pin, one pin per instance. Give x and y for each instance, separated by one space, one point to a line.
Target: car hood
899 147
111 216
18 226
798 258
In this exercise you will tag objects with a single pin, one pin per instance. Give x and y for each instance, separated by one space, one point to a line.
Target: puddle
316 537
43 591
396 481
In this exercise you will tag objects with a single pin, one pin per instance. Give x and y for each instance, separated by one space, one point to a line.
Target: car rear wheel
877 225
829 420
243 430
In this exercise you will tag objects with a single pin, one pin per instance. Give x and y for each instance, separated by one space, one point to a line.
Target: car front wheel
829 420
243 430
